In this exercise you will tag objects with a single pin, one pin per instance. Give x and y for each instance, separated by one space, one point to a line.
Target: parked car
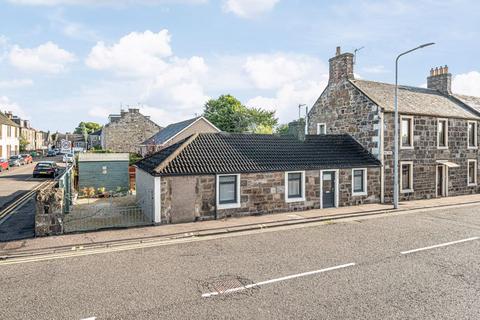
4 164
16 161
45 169
51 153
68 158
27 158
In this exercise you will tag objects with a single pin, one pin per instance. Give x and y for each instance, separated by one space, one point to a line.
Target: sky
66 61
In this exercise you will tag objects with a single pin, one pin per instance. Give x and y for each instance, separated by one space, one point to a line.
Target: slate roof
215 153
169 132
5 120
414 100
471 101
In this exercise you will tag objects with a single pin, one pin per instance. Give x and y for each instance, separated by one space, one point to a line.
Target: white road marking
293 276
91 318
440 245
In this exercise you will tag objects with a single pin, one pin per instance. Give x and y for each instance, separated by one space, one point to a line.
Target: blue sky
65 61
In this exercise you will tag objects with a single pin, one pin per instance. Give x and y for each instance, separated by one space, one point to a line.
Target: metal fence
65 182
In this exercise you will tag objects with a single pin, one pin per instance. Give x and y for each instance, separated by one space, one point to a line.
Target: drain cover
225 283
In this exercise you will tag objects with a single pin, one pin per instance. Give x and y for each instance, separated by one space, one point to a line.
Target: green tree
230 115
23 143
282 129
87 127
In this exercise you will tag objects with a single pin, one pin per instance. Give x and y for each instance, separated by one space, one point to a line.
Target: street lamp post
396 146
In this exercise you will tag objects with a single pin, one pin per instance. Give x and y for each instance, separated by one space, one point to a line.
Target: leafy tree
23 143
282 129
87 127
230 115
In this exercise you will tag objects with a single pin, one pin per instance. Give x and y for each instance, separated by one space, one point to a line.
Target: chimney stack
341 67
297 129
440 79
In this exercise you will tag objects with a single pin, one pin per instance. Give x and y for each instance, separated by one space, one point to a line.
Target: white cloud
7 105
103 2
467 83
249 8
71 28
136 54
48 57
157 78
289 80
270 71
16 83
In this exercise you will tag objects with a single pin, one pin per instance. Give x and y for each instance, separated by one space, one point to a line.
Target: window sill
472 185
359 194
406 148
290 200
472 148
406 191
442 148
228 206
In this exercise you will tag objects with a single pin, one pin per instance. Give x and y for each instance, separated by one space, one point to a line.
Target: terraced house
9 136
438 129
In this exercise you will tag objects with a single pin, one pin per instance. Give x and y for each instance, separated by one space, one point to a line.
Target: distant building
9 136
94 139
125 132
77 141
176 132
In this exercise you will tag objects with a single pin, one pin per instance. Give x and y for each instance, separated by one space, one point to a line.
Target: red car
4 165
27 158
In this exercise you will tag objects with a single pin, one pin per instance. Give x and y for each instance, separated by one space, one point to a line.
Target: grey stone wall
344 109
264 193
49 211
126 133
425 155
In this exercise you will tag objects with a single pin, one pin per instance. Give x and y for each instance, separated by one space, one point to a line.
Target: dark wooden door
328 189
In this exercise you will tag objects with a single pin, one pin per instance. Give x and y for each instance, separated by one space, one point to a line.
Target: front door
328 189
440 181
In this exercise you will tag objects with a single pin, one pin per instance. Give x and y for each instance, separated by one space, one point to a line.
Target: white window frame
364 192
446 133
297 199
412 124
468 172
319 125
411 189
475 146
237 204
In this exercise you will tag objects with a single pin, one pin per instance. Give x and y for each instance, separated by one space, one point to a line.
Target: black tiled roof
215 153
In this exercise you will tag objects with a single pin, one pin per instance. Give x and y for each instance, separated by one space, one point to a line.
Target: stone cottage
176 132
126 131
216 175
438 129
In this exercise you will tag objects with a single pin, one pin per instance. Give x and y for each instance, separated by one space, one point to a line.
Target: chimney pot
431 72
445 69
338 52
440 70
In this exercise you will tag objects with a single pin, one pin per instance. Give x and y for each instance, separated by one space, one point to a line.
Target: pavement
422 265
230 225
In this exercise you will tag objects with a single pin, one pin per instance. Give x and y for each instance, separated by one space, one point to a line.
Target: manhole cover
226 284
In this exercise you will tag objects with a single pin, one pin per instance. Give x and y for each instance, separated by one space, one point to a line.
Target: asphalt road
372 278
13 184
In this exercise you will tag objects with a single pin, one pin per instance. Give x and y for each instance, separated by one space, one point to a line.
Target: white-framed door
329 188
441 180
